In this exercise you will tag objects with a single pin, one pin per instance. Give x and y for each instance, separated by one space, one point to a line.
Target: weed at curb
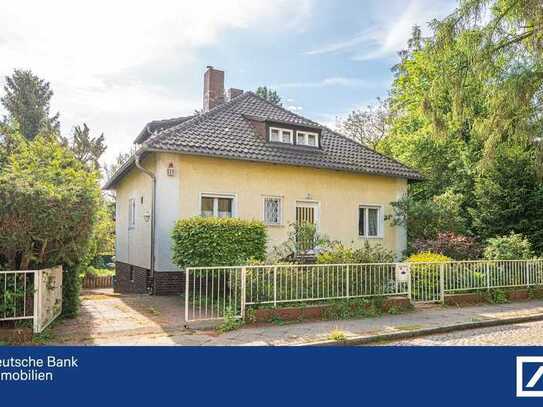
230 322
337 335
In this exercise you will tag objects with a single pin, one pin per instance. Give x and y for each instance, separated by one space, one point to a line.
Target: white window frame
281 210
281 130
131 213
306 138
380 221
215 196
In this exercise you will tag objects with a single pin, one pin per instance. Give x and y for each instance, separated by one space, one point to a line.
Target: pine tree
27 99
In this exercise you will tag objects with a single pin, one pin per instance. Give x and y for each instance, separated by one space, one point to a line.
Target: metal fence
214 292
31 295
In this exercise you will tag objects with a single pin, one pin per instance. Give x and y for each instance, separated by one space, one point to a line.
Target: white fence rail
31 295
213 292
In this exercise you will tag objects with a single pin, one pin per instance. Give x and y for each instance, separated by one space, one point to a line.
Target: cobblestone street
524 334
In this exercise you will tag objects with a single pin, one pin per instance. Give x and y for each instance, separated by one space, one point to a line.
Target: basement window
278 135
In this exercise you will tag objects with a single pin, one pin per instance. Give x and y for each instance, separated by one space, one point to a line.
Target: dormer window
305 138
278 135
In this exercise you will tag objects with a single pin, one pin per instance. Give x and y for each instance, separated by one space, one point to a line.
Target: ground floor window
369 221
272 210
217 206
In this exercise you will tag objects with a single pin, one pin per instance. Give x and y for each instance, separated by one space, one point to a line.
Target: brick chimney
213 88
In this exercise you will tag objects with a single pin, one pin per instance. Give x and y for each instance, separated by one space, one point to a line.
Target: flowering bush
340 254
457 247
428 257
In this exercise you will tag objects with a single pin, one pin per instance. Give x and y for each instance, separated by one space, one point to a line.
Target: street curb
362 340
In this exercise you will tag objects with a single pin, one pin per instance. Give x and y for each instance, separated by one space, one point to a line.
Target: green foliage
461 98
509 196
49 213
340 254
303 239
270 95
512 247
86 149
230 321
425 219
457 247
359 308
368 126
27 101
496 296
428 257
202 241
337 335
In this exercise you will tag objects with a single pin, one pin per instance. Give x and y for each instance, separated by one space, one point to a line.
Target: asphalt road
524 334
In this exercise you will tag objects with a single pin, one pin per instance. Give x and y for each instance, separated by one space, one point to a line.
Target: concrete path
110 319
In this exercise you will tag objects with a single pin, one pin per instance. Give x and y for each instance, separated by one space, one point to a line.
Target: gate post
348 278
242 300
187 277
37 291
409 288
442 283
274 286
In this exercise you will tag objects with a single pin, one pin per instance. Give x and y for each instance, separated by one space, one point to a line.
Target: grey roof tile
225 131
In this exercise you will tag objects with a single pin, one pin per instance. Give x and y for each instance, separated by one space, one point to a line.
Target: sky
117 65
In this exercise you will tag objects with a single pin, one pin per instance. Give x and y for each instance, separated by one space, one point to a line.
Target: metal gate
214 293
427 283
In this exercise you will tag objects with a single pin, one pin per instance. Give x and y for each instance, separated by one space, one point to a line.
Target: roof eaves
334 167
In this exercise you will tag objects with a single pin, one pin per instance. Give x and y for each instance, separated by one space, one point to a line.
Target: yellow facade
336 195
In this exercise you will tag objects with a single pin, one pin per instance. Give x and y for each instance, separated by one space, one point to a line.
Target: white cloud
394 22
118 64
329 82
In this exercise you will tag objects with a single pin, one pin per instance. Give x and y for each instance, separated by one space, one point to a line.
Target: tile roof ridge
197 118
285 109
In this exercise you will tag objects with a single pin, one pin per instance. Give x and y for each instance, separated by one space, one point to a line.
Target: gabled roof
227 131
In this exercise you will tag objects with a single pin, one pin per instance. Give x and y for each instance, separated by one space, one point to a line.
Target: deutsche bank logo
529 376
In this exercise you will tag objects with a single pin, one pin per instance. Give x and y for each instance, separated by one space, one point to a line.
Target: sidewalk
435 319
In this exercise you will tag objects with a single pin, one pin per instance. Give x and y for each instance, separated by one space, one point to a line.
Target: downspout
153 201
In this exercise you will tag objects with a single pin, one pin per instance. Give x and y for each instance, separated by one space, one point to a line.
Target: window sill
273 225
371 237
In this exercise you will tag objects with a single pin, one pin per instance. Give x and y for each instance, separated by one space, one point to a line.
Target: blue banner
329 376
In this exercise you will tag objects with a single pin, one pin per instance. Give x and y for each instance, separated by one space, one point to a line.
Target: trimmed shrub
200 242
48 211
340 254
512 247
428 257
457 247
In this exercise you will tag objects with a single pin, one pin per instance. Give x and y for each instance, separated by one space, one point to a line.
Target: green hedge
199 242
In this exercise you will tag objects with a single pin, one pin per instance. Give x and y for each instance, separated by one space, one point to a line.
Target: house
244 156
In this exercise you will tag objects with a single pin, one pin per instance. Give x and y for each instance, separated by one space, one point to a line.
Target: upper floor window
218 206
305 138
131 213
278 135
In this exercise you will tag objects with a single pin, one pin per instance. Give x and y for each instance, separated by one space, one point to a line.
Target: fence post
348 280
409 295
527 265
442 283
36 320
243 275
487 269
275 286
187 277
